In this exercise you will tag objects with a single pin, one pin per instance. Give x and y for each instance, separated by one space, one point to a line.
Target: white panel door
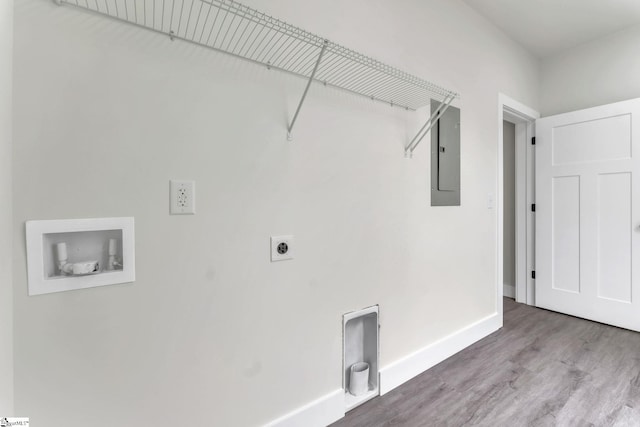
588 214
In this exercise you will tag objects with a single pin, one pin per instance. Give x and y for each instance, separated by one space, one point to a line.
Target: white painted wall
596 73
509 206
6 209
211 331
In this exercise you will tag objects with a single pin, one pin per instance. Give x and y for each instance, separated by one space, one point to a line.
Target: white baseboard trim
509 290
319 413
403 370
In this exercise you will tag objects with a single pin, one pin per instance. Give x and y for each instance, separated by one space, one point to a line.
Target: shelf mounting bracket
306 89
433 119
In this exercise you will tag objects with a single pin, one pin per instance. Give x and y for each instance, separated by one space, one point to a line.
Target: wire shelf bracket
306 89
431 122
238 30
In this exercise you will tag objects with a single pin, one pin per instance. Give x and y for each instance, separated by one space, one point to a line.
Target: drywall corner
6 241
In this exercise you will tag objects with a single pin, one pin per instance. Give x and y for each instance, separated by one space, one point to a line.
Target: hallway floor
541 369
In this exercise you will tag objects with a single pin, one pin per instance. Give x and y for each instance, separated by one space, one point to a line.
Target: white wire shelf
230 27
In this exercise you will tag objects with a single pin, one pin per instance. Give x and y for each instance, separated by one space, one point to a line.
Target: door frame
524 118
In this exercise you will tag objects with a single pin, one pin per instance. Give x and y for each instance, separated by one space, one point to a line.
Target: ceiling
546 27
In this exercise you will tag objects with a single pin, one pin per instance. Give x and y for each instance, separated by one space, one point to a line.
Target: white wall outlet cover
182 197
282 248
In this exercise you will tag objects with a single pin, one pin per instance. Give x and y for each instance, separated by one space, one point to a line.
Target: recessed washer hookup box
64 255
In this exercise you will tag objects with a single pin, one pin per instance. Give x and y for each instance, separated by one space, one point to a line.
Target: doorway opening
509 209
515 215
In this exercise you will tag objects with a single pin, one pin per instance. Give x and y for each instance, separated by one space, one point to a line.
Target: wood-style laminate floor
541 369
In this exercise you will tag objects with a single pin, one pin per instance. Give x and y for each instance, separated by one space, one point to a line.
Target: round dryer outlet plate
282 248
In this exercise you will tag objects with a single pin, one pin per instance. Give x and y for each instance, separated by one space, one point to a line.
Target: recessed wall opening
99 245
509 209
361 356
72 254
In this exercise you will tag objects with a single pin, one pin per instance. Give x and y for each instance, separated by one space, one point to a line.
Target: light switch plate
491 201
182 197
281 248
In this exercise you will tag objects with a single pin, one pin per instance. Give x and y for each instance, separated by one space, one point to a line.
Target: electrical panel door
445 158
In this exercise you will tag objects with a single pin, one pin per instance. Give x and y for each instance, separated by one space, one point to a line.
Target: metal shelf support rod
306 89
433 119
